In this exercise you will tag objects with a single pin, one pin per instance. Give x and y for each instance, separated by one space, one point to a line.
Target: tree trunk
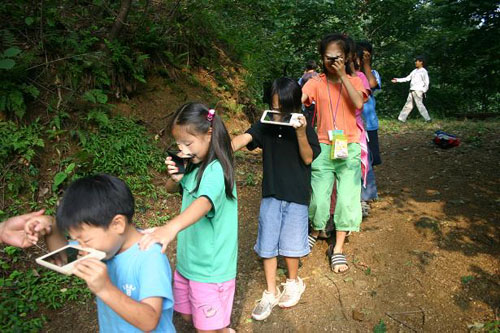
120 20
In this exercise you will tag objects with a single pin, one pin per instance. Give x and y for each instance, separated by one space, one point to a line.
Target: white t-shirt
419 80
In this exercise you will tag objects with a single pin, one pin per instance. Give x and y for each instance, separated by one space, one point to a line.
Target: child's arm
403 79
426 82
355 96
305 149
304 98
45 225
167 233
241 141
143 314
12 231
367 69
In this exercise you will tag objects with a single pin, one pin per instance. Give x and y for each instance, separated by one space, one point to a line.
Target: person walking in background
419 84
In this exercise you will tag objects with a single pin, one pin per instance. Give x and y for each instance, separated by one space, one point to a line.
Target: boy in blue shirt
133 287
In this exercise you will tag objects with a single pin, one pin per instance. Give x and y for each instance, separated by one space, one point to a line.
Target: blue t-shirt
139 274
371 119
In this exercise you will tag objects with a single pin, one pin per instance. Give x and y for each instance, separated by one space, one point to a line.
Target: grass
380 327
466 279
250 179
467 130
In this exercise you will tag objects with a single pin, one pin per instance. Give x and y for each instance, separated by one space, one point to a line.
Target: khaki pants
417 97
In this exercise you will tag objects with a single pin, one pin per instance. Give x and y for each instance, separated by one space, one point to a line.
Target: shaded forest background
59 52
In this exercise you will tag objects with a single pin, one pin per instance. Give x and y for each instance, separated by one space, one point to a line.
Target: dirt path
427 258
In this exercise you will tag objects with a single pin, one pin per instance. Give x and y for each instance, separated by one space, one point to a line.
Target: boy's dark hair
420 58
94 200
194 117
289 94
359 55
365 45
345 43
311 64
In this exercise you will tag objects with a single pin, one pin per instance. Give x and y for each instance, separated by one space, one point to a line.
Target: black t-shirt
286 177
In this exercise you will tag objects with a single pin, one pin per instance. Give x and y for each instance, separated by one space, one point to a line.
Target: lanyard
334 115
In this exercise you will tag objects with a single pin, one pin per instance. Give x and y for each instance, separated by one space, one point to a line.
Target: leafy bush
18 146
23 291
121 147
14 89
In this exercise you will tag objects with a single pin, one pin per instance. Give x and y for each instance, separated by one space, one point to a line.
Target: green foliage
444 32
380 327
20 141
13 96
121 147
71 42
95 96
14 88
492 326
250 180
466 279
23 292
6 59
60 177
18 146
158 220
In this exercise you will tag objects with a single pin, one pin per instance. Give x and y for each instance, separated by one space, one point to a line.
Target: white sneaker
292 292
266 305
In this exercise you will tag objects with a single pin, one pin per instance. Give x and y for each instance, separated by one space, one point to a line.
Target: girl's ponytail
221 149
201 119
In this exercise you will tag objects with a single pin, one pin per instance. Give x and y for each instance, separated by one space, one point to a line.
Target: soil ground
426 259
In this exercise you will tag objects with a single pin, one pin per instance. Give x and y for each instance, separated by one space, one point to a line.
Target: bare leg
187 317
293 267
270 266
339 248
222 330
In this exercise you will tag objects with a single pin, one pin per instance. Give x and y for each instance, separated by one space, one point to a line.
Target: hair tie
211 115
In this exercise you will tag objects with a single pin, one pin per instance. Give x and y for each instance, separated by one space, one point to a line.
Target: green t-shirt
208 249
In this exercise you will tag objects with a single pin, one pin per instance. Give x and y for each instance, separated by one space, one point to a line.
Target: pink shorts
210 304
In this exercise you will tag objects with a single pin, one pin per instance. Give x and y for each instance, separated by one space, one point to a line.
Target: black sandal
312 241
337 259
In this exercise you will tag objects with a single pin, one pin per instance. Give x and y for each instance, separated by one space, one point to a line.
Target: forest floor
426 259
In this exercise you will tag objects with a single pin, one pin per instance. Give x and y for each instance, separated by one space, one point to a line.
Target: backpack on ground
445 140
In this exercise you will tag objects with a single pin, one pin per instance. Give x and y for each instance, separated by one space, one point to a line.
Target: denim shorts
283 229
